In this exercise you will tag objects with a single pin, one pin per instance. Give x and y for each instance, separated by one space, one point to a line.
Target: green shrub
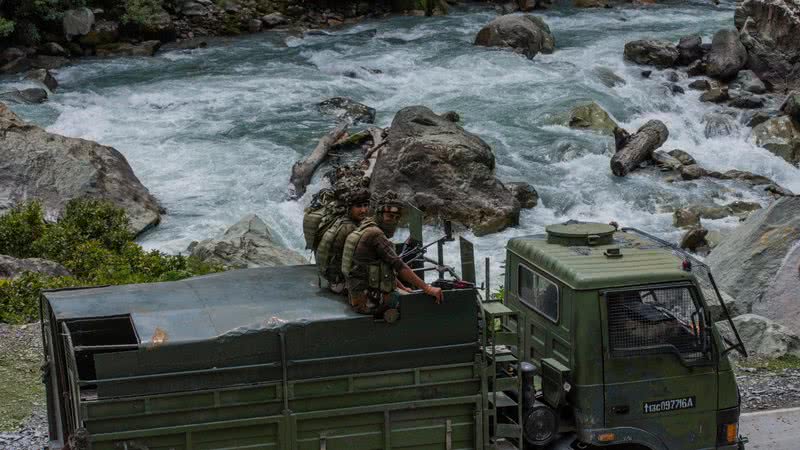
142 12
92 241
6 27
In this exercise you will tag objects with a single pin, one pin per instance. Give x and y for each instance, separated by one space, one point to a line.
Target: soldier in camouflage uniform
370 263
351 192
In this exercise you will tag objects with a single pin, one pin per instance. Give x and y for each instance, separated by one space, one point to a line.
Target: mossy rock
593 117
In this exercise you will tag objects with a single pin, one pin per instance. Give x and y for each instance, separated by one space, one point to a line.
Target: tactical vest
325 250
380 275
318 217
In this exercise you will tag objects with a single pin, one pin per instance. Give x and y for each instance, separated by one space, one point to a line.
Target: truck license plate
658 406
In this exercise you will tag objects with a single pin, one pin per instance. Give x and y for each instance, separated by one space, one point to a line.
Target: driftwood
639 147
303 170
372 154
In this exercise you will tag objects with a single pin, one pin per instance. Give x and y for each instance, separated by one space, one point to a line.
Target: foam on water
213 132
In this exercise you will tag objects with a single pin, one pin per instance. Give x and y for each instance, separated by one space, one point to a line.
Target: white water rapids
213 132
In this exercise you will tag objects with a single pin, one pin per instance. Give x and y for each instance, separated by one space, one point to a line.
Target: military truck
603 338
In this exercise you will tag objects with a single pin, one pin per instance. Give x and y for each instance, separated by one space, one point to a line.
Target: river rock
608 77
525 194
696 68
690 49
452 116
254 25
11 267
593 117
718 124
248 243
54 169
700 85
682 156
769 30
756 118
524 34
77 22
146 48
44 77
758 263
53 49
159 27
589 3
781 136
747 102
762 337
727 57
692 172
445 171
694 239
747 80
715 95
273 20
48 62
791 107
661 54
666 161
103 32
30 96
346 108
193 9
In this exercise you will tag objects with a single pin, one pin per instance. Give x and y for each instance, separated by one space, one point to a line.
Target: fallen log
303 170
372 154
639 147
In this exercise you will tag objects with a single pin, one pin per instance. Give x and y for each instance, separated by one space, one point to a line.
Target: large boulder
248 243
44 77
727 56
11 267
524 34
769 30
77 22
762 337
650 52
758 263
791 106
748 81
781 136
593 117
30 96
346 108
54 169
690 49
445 171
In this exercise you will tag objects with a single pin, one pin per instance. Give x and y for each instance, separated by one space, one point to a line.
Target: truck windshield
655 320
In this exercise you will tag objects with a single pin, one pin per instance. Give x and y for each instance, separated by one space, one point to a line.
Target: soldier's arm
386 251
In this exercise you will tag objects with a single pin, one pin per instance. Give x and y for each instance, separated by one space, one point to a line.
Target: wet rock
77 22
672 76
608 77
690 216
675 89
248 243
103 32
193 9
11 267
694 239
661 54
747 102
146 48
696 68
345 108
525 194
452 116
646 73
715 95
718 125
758 118
727 57
781 136
763 337
747 80
791 106
666 161
48 62
29 96
254 25
445 171
44 77
589 3
692 172
524 34
11 54
758 263
769 30
700 85
273 20
54 169
53 49
742 208
593 117
685 217
685 158
689 49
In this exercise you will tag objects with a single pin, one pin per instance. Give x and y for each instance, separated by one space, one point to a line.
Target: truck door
659 374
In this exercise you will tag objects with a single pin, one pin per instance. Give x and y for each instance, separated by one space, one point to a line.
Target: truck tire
540 426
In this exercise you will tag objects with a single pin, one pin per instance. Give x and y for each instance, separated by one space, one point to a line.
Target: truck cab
618 326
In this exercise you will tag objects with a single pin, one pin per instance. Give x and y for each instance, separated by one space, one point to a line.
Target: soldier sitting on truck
353 193
371 265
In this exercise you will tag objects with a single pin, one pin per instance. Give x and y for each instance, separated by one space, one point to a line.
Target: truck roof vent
580 233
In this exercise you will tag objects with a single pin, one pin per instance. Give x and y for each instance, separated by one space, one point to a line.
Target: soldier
353 194
371 265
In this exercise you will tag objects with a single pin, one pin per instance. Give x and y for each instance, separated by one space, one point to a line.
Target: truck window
538 293
654 320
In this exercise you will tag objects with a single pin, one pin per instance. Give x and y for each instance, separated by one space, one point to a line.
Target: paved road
774 430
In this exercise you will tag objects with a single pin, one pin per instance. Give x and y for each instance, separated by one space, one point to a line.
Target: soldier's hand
434 292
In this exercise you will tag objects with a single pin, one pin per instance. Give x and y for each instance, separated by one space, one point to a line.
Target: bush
142 12
92 241
6 27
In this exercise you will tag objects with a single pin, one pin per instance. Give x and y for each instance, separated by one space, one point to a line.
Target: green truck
603 338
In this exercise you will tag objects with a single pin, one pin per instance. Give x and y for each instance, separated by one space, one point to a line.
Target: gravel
765 389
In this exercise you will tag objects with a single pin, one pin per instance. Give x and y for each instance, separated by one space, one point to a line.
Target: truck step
508 430
506 384
503 400
505 338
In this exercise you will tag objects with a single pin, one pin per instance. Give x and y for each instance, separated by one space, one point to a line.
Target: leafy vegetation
6 27
142 12
92 241
772 365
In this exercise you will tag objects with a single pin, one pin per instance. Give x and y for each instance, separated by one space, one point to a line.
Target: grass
772 365
21 389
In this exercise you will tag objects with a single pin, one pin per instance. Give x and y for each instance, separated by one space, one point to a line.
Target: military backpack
325 250
318 216
380 275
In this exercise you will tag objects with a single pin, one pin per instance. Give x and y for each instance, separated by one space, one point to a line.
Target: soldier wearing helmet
370 263
351 191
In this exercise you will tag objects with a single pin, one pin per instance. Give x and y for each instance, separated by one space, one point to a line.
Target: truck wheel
540 426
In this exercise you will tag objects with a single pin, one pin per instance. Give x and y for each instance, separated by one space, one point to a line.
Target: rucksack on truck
318 217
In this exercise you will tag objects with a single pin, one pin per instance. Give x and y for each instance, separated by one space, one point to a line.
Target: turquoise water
213 132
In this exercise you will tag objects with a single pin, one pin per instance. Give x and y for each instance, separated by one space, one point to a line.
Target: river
213 132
